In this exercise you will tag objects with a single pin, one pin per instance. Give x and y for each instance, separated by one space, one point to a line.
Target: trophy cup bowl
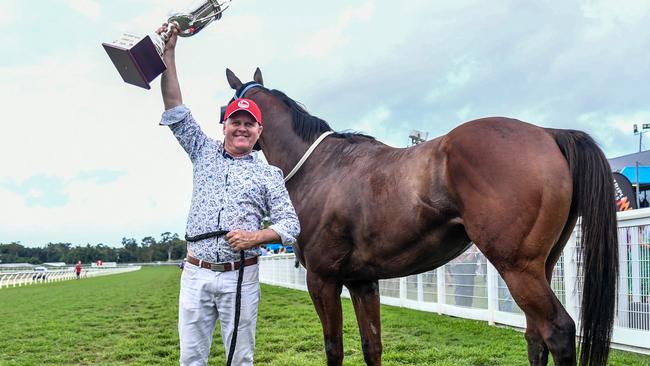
139 60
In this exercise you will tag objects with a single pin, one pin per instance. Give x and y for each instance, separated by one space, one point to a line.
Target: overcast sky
83 160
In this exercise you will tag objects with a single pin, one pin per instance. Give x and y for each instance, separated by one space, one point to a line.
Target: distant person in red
77 269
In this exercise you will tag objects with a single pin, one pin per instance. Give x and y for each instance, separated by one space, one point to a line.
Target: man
77 269
233 192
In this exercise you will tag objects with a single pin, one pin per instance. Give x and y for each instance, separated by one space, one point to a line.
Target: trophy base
136 59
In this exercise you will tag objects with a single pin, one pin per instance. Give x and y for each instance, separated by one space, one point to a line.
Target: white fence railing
470 287
23 278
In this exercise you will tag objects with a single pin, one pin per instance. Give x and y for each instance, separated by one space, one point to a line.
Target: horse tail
593 197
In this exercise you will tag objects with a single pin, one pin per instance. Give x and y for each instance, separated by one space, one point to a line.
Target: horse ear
233 80
257 77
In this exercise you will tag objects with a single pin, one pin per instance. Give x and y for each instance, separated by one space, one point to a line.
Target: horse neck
281 146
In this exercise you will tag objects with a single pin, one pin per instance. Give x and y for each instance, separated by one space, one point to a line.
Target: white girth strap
306 155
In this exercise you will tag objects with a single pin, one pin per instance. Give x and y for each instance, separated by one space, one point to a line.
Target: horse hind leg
365 298
547 320
525 259
537 349
549 326
326 296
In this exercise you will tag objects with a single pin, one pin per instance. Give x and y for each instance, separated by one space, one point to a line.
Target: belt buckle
217 267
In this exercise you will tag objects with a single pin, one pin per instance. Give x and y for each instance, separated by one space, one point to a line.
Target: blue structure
630 173
273 247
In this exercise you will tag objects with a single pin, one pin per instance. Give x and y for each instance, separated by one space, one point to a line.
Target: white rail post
623 301
420 284
492 292
635 264
442 295
275 277
571 277
297 273
403 287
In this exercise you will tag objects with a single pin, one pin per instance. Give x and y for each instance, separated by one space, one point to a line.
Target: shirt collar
226 155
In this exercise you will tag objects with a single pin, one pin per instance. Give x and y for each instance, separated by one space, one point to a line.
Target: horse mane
309 127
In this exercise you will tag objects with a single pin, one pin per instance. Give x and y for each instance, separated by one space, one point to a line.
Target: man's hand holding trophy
139 59
170 33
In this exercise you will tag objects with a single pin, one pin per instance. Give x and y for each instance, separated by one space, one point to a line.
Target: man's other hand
242 239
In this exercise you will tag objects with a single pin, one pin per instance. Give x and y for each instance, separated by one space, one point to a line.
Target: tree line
168 247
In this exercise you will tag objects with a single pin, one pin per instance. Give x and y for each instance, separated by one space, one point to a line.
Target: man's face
241 132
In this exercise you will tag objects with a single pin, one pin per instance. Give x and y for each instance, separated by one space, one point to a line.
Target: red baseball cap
247 105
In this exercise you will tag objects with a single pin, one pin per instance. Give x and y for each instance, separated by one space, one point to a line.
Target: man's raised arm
177 116
171 89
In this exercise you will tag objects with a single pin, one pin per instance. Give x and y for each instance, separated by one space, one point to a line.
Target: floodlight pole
640 139
637 185
644 126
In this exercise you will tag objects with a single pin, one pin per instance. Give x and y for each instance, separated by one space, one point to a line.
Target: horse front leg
365 297
326 296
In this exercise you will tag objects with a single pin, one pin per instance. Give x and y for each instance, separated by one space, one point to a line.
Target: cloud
371 66
88 8
611 11
39 190
375 122
100 176
8 13
85 159
324 41
95 214
537 63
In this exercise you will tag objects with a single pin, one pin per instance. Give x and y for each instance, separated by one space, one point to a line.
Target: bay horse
369 211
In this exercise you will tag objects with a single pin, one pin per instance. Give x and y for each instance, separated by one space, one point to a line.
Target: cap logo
243 104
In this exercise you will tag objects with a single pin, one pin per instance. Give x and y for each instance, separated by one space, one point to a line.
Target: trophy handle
191 22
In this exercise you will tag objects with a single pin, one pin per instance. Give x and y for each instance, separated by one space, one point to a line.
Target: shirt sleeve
186 130
283 215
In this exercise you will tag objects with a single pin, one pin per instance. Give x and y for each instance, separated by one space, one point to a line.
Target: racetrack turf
130 319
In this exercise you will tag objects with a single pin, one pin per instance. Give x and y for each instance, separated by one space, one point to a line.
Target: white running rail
24 278
470 287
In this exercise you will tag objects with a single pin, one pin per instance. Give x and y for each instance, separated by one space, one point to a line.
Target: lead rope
240 279
306 155
233 340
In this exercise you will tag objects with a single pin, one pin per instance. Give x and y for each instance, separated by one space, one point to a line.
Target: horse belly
398 256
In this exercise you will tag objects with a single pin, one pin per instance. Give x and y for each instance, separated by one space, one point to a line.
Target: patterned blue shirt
229 193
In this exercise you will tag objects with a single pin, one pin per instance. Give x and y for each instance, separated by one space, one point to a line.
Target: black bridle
239 93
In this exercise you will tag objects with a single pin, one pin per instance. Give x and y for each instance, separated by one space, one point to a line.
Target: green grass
130 319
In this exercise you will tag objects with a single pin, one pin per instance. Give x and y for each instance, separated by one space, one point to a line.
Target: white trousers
206 296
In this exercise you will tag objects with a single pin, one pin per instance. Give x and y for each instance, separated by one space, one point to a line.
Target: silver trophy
139 59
